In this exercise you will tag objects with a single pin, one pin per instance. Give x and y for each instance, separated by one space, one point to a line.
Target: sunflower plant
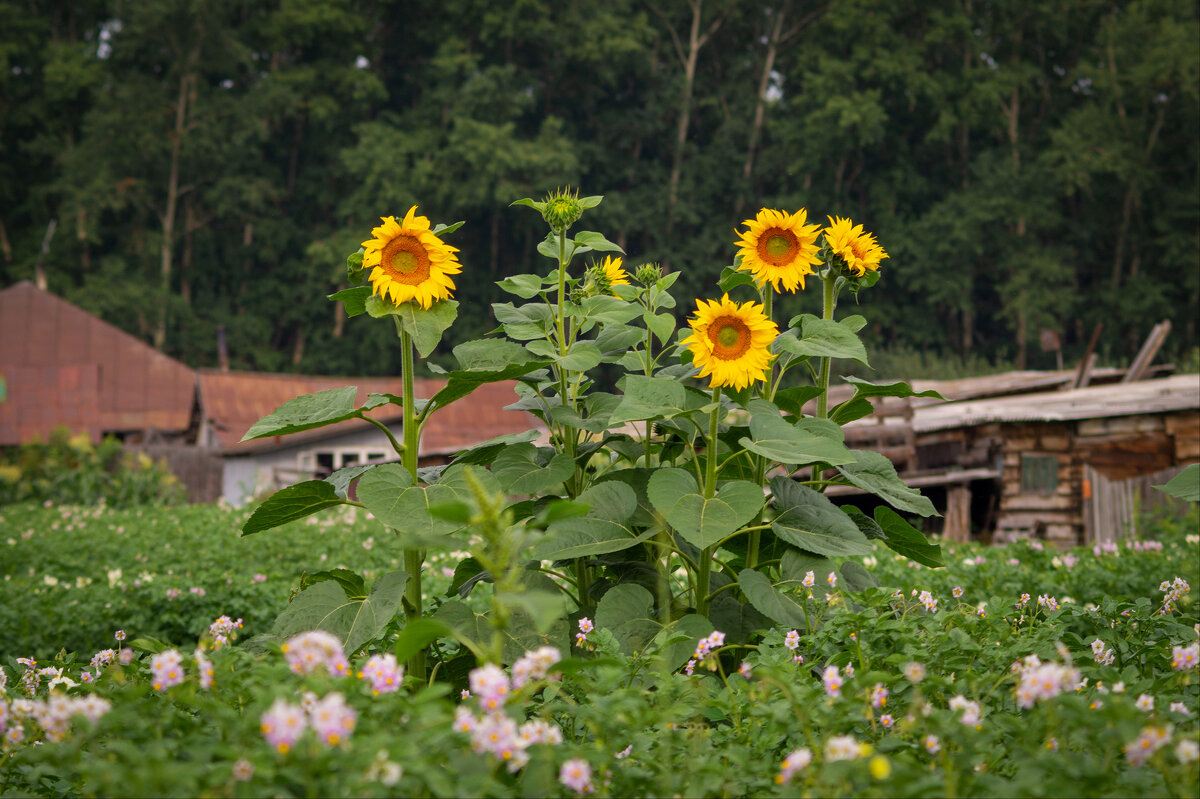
692 496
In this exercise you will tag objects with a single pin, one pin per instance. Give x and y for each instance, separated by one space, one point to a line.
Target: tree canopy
1027 165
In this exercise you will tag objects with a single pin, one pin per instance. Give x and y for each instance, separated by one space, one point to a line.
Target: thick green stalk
414 559
704 569
760 463
830 302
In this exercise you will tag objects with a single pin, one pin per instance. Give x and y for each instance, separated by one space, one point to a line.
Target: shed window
1039 474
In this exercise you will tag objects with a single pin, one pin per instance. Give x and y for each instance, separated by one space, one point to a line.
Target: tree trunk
760 108
168 217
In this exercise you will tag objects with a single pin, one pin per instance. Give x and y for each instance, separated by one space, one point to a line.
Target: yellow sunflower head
613 272
408 262
858 249
730 343
779 248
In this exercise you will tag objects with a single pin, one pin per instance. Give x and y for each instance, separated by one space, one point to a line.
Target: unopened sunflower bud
354 268
597 282
562 209
648 274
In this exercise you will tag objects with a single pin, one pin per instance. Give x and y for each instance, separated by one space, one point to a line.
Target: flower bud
648 274
562 209
354 268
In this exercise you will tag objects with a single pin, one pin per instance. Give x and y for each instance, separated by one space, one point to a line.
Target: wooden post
958 513
1085 366
1149 349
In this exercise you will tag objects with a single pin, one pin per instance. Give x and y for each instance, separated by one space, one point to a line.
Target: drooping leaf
649 398
354 300
874 473
731 278
426 326
485 452
306 412
595 241
292 503
796 564
353 585
342 478
825 338
774 438
855 577
813 523
605 528
902 537
1185 485
325 606
703 522
770 601
518 471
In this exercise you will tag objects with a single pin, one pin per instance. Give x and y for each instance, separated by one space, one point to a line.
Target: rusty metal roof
63 366
233 401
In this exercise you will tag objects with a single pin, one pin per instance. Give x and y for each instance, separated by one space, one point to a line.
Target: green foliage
70 470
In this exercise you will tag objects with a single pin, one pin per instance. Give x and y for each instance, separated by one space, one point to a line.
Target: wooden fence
200 469
1111 507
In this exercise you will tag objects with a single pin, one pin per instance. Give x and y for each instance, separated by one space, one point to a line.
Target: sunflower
613 273
779 248
858 249
731 342
408 262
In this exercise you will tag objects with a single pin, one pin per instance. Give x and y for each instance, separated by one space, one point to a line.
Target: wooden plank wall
1053 516
200 469
1111 507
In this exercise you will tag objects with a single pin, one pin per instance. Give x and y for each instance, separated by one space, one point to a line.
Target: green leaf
427 326
352 584
792 399
484 453
590 202
582 355
649 398
608 310
796 563
902 537
856 577
464 571
605 528
544 607
703 522
306 412
810 521
627 612
389 493
524 286
529 203
661 325
851 409
863 388
775 438
825 338
292 503
354 299
445 230
416 635
875 474
356 622
342 478
692 627
518 471
1185 485
770 601
595 241
732 277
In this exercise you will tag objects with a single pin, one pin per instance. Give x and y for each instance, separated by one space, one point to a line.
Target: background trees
1028 165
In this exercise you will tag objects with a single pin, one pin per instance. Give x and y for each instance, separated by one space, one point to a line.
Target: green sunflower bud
597 282
562 209
648 274
354 268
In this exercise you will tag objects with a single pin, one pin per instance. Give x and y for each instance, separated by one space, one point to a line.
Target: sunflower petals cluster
408 262
857 248
730 343
779 248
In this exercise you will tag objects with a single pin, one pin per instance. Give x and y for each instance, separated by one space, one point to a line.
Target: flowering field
1014 671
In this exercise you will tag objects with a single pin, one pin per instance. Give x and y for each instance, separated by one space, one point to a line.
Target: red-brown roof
63 366
233 401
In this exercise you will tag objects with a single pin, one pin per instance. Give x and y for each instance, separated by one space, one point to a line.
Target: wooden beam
1149 349
1085 366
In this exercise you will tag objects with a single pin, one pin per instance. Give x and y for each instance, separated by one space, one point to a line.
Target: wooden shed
1060 465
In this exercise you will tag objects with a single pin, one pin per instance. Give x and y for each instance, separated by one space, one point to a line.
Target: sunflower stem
414 559
710 489
760 463
830 302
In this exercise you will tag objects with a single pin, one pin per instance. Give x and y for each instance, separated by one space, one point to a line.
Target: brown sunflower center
730 337
778 246
405 260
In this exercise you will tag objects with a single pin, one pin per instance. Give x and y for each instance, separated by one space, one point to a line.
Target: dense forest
1029 165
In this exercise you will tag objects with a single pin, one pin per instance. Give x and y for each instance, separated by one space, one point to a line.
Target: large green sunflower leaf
703 522
875 474
813 523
